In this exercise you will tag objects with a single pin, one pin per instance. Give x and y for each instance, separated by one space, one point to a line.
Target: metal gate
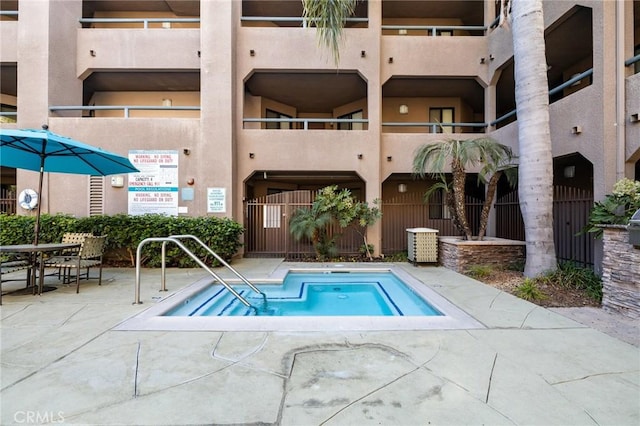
571 209
267 228
410 211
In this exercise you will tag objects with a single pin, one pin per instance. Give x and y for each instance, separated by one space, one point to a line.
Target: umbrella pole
39 208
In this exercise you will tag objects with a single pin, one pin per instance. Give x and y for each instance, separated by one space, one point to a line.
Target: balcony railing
304 22
305 121
144 21
433 30
435 127
558 89
125 108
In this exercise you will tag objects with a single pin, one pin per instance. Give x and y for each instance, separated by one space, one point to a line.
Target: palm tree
535 183
494 158
532 108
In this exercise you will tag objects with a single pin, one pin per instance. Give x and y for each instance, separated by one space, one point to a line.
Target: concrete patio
63 362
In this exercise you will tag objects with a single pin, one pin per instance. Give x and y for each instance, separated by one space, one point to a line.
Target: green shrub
126 232
479 271
529 290
570 275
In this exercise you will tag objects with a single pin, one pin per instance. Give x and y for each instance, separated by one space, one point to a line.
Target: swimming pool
325 293
167 314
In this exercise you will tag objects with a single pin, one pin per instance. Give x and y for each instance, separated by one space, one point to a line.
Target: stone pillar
620 273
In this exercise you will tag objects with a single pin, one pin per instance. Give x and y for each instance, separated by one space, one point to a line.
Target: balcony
433 18
278 14
432 105
298 100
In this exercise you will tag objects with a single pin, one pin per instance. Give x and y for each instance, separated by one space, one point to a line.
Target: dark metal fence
8 201
268 233
410 211
571 208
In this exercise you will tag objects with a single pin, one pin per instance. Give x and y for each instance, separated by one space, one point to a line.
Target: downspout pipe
620 91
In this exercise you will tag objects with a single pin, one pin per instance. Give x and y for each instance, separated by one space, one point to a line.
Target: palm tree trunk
535 182
486 208
459 178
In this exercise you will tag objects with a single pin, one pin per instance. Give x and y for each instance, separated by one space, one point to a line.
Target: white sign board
155 188
216 200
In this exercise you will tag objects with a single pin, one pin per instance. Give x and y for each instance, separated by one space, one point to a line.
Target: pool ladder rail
176 240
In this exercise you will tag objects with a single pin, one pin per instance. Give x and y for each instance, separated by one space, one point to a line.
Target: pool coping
453 317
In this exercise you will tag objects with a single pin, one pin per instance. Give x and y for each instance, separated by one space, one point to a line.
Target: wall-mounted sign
216 200
155 188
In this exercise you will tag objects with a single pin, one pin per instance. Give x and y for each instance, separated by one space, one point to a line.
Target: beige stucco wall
220 143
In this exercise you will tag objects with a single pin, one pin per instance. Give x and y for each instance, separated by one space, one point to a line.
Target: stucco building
249 106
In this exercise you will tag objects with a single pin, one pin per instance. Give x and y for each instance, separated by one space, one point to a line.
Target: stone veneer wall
459 255
620 273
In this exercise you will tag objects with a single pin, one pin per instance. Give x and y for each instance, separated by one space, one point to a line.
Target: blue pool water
313 294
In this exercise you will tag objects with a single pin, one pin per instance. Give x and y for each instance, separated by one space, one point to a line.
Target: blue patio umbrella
44 151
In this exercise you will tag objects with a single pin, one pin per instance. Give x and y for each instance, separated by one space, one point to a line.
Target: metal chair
89 256
73 238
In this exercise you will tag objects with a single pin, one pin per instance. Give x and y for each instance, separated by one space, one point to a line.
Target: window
356 115
443 116
277 124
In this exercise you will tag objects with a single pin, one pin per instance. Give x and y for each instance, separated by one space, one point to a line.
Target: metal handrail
552 92
433 29
125 108
223 262
305 121
302 20
144 21
632 60
164 240
434 126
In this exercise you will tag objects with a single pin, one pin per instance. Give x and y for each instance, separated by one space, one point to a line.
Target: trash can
634 229
422 245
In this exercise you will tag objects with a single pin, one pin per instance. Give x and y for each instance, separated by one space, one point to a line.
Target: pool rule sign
155 188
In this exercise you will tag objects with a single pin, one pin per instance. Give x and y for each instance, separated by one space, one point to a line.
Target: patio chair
73 238
89 256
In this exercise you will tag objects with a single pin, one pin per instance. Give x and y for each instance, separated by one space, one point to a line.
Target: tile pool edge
151 319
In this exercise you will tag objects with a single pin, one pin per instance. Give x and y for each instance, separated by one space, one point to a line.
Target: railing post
126 112
163 274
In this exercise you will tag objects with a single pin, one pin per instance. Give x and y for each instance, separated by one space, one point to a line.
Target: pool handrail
165 240
223 262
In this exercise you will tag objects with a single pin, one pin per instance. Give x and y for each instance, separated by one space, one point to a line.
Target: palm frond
329 17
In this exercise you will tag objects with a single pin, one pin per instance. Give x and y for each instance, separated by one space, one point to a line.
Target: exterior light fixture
576 130
390 60
482 60
389 158
491 57
359 156
251 155
92 52
569 171
167 102
634 118
404 109
186 151
402 31
363 53
252 52
402 188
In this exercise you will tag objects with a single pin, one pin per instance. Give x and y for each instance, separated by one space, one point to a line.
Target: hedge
125 232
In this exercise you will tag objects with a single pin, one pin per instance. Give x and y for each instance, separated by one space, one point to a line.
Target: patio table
36 258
